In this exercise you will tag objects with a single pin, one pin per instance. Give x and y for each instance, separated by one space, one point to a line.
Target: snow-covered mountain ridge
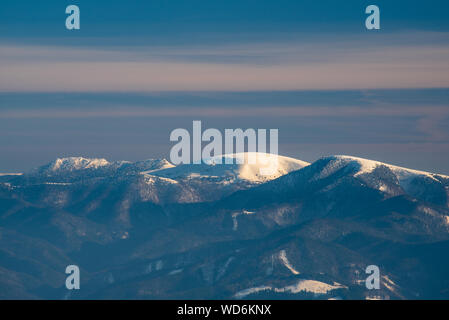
307 231
218 167
243 167
365 166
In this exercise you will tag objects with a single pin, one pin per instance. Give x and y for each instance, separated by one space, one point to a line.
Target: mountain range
153 230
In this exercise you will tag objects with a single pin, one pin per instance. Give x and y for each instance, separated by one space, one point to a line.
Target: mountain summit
75 163
150 229
243 166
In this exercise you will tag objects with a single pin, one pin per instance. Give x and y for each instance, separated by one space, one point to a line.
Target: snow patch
284 259
223 269
10 174
77 163
310 286
150 180
59 183
389 284
164 165
246 292
175 272
235 215
159 265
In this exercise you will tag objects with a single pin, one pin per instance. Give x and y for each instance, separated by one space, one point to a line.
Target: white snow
175 272
311 286
149 179
235 223
164 165
10 174
77 163
235 215
159 265
373 298
284 259
249 291
59 183
125 235
429 211
248 166
223 269
367 166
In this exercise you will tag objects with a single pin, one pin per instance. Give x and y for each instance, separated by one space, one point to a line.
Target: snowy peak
251 165
248 167
223 175
365 166
389 179
150 165
76 163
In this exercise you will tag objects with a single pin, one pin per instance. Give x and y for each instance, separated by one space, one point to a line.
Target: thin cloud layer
354 64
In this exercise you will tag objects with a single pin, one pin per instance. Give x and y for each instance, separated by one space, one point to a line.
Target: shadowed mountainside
150 229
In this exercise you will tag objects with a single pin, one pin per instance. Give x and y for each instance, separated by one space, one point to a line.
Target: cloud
334 65
433 112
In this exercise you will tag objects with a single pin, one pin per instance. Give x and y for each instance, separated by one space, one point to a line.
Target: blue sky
138 69
162 19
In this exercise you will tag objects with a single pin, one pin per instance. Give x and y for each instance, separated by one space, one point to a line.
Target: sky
136 70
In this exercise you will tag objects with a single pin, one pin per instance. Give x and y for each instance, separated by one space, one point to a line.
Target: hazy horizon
117 87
